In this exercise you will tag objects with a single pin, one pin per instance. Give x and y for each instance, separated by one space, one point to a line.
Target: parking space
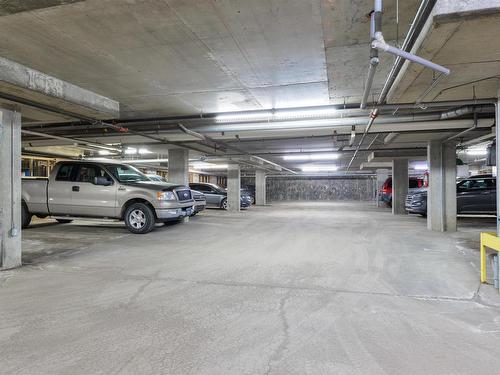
328 286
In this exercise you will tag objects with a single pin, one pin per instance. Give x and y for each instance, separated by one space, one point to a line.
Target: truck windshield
126 173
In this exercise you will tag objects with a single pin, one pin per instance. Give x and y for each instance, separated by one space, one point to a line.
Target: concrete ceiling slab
464 36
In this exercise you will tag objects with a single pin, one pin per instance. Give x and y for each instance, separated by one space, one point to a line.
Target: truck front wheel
25 216
139 218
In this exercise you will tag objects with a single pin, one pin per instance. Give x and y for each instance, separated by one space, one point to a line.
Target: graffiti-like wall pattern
312 189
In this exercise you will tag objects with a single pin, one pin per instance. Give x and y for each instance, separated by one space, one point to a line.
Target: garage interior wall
320 188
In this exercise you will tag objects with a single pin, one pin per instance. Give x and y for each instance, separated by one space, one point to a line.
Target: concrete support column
382 175
399 185
233 187
260 187
442 191
178 166
10 189
497 137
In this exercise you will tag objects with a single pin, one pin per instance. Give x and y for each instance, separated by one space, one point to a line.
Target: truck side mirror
102 181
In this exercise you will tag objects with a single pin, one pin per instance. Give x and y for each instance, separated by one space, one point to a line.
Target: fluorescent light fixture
319 168
130 151
144 151
477 151
421 167
277 114
203 165
104 152
326 156
135 161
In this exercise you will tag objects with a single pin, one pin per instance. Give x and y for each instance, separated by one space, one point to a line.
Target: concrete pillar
497 135
178 166
442 191
382 175
233 187
260 187
10 189
399 185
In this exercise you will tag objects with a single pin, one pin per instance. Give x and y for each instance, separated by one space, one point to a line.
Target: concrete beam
375 165
10 189
389 156
19 81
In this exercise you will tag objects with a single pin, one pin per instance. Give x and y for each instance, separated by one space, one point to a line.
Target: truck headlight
165 196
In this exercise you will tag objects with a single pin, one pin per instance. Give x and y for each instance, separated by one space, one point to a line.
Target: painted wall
320 188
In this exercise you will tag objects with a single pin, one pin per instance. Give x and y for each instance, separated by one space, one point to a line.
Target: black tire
25 216
64 221
139 218
223 204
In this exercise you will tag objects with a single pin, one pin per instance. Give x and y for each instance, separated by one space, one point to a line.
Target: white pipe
380 44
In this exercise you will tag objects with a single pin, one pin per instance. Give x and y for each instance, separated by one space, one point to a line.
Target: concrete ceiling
172 57
464 39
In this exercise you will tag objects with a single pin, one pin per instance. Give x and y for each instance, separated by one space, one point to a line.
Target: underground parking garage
257 187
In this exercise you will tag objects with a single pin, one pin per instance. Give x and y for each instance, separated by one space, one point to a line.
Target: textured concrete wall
315 188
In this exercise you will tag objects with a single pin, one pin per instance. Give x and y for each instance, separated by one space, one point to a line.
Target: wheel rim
224 205
137 219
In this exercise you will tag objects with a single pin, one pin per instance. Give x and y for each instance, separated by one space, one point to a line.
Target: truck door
59 192
90 197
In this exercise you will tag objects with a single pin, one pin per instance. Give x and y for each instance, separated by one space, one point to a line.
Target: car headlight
165 196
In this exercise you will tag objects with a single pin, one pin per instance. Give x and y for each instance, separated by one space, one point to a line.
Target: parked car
249 190
217 196
414 184
475 195
200 202
91 189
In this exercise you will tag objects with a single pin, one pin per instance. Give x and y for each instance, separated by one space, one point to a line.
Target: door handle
122 188
75 188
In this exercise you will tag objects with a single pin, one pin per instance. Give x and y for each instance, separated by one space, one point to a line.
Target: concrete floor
299 288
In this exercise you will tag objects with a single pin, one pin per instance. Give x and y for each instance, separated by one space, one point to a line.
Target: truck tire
223 204
25 216
139 218
63 221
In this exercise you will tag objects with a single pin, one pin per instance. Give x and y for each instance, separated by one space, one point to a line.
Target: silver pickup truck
91 189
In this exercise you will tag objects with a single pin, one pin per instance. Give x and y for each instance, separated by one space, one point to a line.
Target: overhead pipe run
416 27
378 43
375 27
372 118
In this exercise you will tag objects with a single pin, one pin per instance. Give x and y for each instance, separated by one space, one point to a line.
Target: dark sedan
475 195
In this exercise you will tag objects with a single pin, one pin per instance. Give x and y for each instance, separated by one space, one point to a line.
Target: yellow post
483 261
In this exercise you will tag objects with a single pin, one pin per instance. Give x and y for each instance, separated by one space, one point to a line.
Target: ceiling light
130 151
144 151
327 156
104 152
277 114
202 165
319 168
477 151
421 167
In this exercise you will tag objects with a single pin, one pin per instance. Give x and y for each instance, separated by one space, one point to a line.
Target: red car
386 191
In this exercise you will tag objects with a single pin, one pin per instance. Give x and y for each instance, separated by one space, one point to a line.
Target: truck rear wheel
139 218
25 216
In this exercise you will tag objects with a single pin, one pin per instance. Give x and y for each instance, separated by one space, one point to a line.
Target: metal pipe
380 44
74 141
372 118
421 17
375 27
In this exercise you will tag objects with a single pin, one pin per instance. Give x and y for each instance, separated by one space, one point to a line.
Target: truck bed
34 194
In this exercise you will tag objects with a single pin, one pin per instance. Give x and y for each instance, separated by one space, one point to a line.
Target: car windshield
126 173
